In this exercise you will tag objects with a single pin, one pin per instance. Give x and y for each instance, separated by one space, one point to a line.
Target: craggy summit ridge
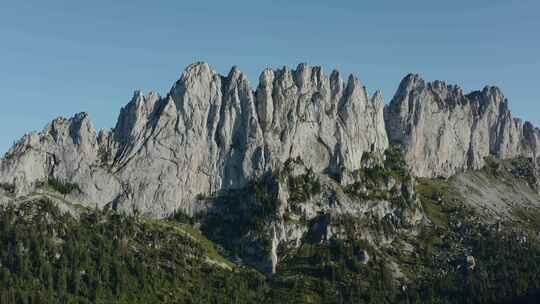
443 131
209 133
215 132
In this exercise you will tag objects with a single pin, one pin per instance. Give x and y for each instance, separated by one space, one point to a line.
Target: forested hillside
106 257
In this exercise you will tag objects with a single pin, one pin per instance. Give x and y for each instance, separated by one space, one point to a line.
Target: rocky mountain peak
215 133
306 77
443 131
378 98
409 82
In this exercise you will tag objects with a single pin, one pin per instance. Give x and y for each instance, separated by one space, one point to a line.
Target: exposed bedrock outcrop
442 131
210 133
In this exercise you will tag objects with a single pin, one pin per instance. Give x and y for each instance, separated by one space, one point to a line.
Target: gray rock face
66 150
327 123
210 133
443 131
213 133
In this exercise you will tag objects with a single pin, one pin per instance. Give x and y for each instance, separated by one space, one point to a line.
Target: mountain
210 133
214 133
306 185
443 131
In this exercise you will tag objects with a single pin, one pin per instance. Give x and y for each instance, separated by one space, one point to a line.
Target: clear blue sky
62 57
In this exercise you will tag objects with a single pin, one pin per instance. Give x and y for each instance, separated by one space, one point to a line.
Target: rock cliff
442 131
214 133
303 157
67 150
210 133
